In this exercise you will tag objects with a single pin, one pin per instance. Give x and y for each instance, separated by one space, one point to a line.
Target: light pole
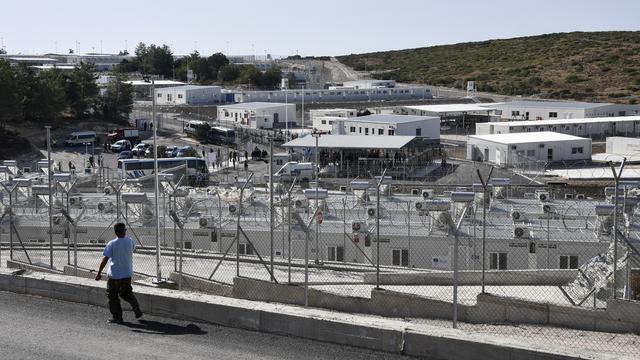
316 134
159 278
49 175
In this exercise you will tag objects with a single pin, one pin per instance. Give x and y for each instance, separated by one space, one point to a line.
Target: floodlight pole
155 181
378 230
317 134
50 177
485 184
271 203
616 179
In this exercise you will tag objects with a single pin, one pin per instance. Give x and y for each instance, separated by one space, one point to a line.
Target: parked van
81 138
191 128
303 171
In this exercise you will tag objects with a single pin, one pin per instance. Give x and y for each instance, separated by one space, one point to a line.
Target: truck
131 134
302 170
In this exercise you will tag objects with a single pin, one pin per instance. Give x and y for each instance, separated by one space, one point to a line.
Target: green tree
82 90
271 78
117 101
10 109
155 60
228 73
42 96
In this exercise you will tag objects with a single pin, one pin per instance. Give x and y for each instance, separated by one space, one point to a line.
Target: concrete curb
393 336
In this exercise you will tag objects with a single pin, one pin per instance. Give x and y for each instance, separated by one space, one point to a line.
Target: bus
142 169
221 135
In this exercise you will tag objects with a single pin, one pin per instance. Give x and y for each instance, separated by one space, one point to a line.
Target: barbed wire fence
487 257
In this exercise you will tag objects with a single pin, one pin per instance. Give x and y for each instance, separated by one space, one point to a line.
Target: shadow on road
159 328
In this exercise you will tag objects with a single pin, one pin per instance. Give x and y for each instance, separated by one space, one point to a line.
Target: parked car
121 145
171 151
125 154
182 151
140 149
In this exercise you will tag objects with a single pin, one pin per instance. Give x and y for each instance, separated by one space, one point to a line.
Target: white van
81 138
303 171
192 127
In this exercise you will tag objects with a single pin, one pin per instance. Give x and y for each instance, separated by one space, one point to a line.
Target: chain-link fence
558 263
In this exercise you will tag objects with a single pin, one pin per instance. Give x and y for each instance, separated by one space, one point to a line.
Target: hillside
588 66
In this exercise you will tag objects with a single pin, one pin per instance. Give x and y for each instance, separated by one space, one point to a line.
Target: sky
289 27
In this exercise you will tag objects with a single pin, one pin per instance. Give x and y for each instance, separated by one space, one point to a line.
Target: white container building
543 110
188 95
389 125
259 115
513 149
322 119
595 128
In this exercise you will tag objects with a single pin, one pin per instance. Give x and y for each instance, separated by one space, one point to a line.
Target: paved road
39 328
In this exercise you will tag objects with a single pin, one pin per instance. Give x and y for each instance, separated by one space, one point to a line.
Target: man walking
119 255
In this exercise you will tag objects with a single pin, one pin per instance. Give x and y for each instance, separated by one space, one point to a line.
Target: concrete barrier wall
553 277
201 285
341 328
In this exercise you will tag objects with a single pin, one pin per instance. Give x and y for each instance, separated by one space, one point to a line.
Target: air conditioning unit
547 209
57 219
421 205
371 212
518 216
543 196
206 222
75 200
427 194
359 226
521 232
568 196
232 208
105 207
107 190
301 203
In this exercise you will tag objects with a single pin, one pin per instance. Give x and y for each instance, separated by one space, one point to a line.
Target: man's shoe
115 321
138 313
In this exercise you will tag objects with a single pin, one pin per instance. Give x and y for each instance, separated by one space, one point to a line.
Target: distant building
526 148
619 148
388 125
333 96
548 110
189 95
461 115
142 88
367 84
595 128
322 119
259 115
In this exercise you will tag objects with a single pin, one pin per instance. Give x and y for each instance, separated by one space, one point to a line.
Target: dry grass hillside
587 66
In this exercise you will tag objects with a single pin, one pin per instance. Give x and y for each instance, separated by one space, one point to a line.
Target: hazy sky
282 27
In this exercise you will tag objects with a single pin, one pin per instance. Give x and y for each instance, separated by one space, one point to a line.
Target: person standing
118 254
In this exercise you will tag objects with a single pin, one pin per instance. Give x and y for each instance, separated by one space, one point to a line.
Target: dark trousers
120 288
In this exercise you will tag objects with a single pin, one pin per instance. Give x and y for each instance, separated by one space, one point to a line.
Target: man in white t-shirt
118 254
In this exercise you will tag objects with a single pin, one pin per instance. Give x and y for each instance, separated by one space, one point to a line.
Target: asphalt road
39 328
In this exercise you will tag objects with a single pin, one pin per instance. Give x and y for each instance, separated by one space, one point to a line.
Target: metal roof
351 142
156 82
527 137
452 108
188 87
255 105
553 104
565 121
391 119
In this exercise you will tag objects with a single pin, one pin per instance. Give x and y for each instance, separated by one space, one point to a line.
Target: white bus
192 126
143 168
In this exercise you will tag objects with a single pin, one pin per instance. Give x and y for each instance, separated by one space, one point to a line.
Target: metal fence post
616 178
485 184
50 180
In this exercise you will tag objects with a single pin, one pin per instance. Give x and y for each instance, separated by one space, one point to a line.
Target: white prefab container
189 95
259 115
514 149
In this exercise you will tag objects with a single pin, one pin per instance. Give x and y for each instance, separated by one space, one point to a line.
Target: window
553 114
188 245
159 95
531 153
380 131
622 113
391 132
360 130
324 122
577 150
498 261
179 96
515 113
246 249
419 132
514 147
400 257
335 253
352 129
366 131
568 261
